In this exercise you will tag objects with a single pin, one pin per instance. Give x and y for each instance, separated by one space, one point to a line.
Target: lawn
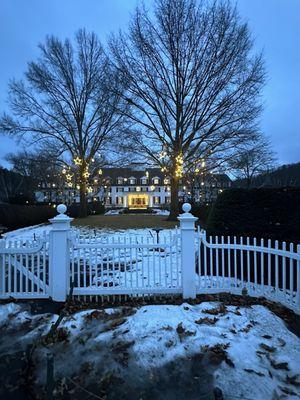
126 221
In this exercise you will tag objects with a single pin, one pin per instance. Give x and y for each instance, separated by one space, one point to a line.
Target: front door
138 201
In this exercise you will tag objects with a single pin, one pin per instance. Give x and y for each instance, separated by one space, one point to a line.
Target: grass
126 221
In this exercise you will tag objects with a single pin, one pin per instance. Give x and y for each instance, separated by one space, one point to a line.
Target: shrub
264 213
202 212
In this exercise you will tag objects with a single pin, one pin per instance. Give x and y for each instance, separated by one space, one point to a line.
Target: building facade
138 189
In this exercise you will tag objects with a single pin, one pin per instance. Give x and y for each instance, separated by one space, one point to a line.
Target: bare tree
193 82
253 159
69 101
15 188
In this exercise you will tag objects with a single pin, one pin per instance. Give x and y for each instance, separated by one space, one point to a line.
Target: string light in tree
77 161
179 166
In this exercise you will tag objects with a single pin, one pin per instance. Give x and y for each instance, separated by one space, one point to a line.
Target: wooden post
187 230
59 256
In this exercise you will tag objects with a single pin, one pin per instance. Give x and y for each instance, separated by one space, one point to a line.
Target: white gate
24 269
115 265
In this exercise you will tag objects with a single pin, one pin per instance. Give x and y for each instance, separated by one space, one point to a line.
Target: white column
150 201
188 259
59 255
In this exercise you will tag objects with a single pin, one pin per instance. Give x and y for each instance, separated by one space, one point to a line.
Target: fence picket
276 268
262 268
283 273
291 296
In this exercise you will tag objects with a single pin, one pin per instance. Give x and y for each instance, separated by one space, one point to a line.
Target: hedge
92 209
262 213
13 216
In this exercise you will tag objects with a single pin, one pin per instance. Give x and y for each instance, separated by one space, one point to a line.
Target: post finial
186 207
61 208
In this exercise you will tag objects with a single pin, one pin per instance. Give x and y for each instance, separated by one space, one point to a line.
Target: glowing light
64 171
152 187
77 161
86 174
100 172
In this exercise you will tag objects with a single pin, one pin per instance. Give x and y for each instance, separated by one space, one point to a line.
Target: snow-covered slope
248 352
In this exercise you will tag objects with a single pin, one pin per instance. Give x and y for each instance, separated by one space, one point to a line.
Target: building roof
115 173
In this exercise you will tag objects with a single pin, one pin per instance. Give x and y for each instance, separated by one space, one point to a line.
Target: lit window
120 181
155 181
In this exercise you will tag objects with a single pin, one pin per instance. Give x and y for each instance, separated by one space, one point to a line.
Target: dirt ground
125 221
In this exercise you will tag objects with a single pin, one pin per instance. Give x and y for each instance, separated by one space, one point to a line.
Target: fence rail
183 262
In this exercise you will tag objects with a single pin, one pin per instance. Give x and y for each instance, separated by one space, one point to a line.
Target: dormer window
120 180
155 180
132 180
144 180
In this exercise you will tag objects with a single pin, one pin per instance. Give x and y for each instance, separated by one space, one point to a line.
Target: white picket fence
183 262
233 264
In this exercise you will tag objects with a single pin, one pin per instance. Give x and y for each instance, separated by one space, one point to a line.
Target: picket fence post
59 255
188 259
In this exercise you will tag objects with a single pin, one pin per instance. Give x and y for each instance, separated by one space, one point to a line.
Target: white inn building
138 189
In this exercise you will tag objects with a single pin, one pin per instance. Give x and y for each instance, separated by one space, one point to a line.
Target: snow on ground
28 233
156 211
248 352
38 231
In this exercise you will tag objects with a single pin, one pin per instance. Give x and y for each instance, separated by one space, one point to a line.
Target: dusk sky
275 25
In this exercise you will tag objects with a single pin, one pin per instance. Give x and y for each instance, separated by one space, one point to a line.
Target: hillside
285 175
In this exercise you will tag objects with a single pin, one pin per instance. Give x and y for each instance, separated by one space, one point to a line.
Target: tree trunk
83 204
174 210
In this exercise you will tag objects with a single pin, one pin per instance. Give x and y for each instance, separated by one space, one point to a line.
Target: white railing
24 269
257 267
184 262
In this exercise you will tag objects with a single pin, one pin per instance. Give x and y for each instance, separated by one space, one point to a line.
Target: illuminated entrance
138 201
